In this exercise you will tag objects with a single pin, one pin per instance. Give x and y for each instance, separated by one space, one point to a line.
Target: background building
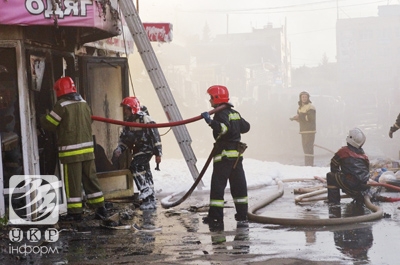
368 58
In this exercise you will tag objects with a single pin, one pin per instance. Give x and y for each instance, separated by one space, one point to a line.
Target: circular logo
34 198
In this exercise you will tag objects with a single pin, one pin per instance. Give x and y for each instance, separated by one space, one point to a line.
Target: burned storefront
41 41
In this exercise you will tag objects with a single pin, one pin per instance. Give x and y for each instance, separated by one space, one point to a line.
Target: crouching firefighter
227 127
143 143
349 170
71 120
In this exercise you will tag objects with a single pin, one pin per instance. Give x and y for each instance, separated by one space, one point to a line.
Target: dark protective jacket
228 125
307 118
351 161
141 140
71 120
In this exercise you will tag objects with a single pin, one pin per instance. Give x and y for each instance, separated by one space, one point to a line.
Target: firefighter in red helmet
218 94
64 85
143 143
71 120
227 127
132 103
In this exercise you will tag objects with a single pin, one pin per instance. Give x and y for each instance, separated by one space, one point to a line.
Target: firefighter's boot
333 195
333 189
101 213
335 211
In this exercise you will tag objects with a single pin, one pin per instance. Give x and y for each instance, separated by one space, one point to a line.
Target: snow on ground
174 175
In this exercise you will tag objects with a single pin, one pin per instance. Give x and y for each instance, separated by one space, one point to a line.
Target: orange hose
385 185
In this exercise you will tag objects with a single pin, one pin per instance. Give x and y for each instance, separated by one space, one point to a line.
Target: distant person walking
227 127
306 117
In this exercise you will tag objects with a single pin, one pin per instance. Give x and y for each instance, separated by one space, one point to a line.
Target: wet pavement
177 236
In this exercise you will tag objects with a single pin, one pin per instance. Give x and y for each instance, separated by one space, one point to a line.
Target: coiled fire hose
377 213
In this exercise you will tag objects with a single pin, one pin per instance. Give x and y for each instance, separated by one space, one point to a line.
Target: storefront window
9 116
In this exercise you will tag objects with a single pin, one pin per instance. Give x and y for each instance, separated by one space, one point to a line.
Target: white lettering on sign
66 8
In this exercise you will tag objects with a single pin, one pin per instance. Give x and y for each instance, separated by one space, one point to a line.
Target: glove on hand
390 134
117 151
206 117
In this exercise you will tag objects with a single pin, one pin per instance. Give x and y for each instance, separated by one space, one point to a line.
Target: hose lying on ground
311 196
157 125
377 213
310 192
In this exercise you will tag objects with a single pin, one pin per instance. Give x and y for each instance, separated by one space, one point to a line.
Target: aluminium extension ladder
160 84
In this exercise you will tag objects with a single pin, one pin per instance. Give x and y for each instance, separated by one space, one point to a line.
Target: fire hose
156 125
388 186
165 201
377 213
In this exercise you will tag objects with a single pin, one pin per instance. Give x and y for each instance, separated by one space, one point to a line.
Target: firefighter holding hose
227 127
143 143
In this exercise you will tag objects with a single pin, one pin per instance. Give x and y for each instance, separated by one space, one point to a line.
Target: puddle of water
184 239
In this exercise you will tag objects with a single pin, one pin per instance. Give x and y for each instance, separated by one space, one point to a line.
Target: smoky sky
311 31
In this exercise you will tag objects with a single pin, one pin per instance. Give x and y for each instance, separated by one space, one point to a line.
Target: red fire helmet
219 94
64 85
131 102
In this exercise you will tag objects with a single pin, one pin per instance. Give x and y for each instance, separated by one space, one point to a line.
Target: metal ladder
160 83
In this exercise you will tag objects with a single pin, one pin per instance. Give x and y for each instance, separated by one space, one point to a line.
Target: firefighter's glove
117 151
390 134
206 117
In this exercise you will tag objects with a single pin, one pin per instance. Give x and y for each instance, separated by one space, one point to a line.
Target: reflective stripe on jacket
228 125
71 120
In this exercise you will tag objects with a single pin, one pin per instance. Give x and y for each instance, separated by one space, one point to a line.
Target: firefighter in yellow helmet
71 120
